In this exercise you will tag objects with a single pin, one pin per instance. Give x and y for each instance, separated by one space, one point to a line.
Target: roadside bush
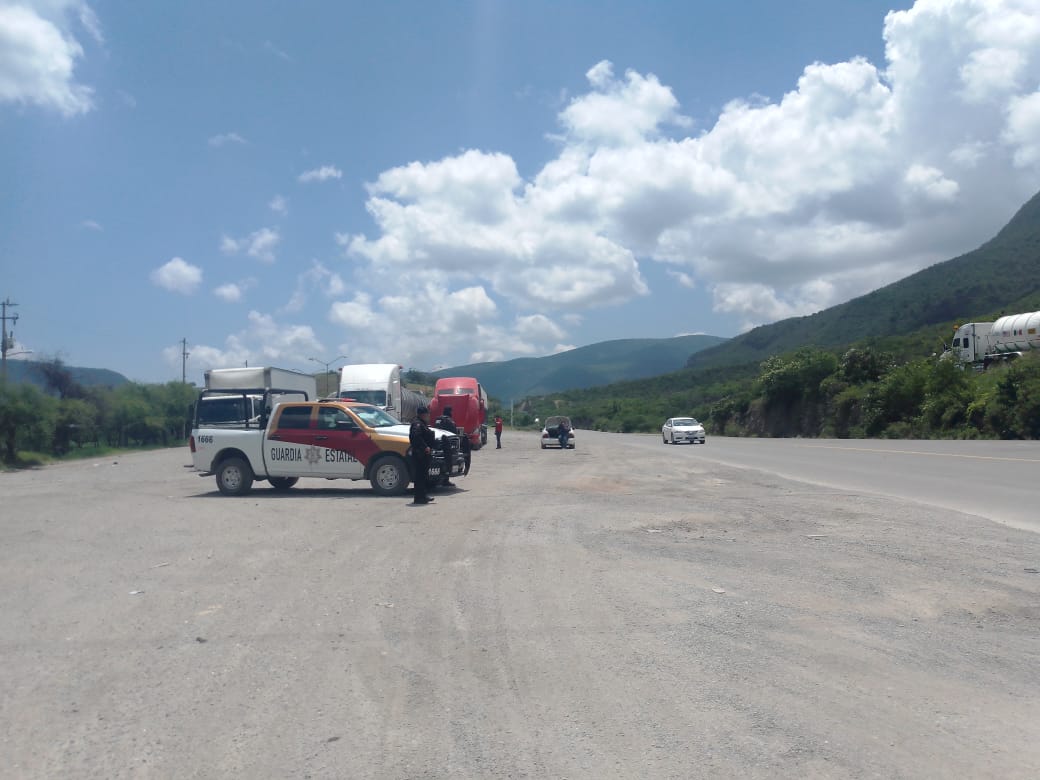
897 399
27 418
845 413
948 392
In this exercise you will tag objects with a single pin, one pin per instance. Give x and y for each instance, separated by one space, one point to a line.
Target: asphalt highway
997 480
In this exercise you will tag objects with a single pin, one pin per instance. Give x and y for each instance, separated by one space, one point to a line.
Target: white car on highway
677 429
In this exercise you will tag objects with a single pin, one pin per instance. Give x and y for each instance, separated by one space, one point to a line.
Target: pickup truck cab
330 439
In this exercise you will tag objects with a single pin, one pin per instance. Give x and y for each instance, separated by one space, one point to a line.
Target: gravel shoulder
597 613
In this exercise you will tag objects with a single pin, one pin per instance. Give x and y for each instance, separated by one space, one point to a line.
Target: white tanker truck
982 343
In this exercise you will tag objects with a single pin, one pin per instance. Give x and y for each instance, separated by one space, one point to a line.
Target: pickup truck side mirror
347 425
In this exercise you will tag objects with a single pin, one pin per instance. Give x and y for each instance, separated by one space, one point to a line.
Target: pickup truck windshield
374 417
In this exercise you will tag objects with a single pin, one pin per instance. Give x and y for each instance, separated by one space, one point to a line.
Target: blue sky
438 183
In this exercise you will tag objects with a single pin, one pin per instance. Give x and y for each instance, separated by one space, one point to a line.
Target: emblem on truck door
312 454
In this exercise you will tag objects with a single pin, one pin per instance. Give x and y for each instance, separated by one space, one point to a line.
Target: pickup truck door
289 445
345 447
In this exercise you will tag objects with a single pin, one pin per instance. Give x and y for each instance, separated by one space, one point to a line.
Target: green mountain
1001 275
29 371
590 366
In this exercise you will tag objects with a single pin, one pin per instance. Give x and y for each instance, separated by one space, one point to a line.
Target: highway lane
996 480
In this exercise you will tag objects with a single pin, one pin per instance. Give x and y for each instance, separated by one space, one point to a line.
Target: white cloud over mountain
859 175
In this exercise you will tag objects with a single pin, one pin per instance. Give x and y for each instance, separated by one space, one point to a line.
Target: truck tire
282 484
389 476
234 477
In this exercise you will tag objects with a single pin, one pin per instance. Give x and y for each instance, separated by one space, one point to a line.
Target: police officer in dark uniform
446 423
422 441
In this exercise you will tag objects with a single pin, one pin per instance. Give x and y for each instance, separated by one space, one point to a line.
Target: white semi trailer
380 384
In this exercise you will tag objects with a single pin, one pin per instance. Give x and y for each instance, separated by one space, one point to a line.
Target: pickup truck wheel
281 484
234 477
389 476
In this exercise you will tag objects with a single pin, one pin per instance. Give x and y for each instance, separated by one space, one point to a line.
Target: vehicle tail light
191 442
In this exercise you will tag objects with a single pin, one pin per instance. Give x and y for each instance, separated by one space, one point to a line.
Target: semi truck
380 384
242 397
469 403
982 343
328 439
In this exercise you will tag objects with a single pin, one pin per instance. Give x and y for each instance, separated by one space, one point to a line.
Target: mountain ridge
28 371
601 363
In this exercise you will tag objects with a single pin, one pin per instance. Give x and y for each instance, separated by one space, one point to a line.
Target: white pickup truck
330 439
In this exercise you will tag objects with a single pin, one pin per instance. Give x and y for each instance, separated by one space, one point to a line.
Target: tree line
65 416
863 392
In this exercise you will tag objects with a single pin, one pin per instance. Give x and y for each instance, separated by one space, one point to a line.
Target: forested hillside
590 366
35 372
1003 275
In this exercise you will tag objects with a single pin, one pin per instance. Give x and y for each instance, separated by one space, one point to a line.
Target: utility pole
184 361
6 340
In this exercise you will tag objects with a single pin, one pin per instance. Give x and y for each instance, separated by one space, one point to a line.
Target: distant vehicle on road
677 429
551 432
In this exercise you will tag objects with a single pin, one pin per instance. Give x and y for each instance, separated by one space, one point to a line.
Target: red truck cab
468 401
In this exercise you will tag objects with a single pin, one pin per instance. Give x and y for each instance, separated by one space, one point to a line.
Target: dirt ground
606 612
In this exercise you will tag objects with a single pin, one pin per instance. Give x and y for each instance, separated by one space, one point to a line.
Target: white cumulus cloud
317 280
226 138
862 173
228 292
263 340
39 53
177 276
1023 129
279 205
621 112
324 173
425 320
260 244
